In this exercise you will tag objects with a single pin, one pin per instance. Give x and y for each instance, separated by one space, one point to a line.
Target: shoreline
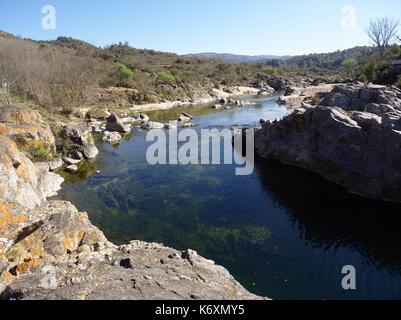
203 99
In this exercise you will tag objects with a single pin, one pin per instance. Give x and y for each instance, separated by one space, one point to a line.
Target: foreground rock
49 250
27 128
21 181
54 252
359 150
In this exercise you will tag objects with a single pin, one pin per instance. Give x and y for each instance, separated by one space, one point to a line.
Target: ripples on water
282 232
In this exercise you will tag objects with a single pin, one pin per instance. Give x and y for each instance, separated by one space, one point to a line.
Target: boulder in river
184 118
76 139
112 137
152 125
116 125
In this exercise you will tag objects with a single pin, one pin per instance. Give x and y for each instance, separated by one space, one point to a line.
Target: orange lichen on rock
7 218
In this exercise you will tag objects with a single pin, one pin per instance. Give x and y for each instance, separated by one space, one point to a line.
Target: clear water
282 232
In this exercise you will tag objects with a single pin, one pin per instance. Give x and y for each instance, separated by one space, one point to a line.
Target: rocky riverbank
50 250
352 137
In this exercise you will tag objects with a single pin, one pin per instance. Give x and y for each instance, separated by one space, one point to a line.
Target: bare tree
383 31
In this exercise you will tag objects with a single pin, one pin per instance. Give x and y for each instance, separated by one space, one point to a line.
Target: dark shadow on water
330 217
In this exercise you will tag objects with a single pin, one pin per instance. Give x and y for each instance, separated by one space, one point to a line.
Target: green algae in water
282 232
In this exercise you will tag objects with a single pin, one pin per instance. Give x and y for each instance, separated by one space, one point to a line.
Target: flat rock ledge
54 252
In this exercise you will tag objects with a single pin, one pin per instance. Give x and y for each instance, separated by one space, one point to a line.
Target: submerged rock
72 168
112 137
152 125
73 260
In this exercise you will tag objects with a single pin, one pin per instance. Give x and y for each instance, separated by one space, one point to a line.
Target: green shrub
38 153
165 77
350 65
370 71
398 83
124 72
270 70
350 62
175 72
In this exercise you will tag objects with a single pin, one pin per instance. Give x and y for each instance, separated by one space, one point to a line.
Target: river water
282 232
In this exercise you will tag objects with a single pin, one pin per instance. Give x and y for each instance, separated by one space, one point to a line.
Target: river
282 232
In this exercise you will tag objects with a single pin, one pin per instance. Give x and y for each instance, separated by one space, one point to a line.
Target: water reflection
331 218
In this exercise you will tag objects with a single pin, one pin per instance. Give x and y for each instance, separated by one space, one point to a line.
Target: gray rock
142 117
72 168
112 137
55 164
378 109
354 149
184 118
90 151
71 161
79 263
77 142
114 124
152 125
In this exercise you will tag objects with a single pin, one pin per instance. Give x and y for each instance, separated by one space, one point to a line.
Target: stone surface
184 118
56 253
112 137
152 125
26 127
76 142
358 150
115 124
72 168
25 184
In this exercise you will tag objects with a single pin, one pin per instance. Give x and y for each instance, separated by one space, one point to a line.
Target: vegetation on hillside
66 73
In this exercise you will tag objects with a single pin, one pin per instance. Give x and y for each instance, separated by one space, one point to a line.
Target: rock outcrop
21 181
27 128
77 143
343 143
54 252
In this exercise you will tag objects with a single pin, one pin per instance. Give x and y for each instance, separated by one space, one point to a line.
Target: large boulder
358 150
77 142
115 124
21 181
356 96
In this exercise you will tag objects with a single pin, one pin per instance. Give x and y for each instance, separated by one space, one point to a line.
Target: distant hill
5 35
332 59
234 58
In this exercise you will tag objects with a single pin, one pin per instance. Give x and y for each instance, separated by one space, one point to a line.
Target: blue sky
187 26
